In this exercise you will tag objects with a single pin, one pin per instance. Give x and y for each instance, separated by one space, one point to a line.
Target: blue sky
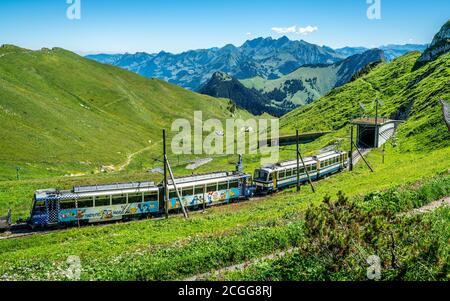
178 25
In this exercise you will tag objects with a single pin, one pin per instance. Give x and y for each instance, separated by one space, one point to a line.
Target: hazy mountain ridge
265 57
391 51
298 88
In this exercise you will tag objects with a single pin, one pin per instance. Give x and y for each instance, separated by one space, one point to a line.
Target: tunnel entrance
366 136
374 132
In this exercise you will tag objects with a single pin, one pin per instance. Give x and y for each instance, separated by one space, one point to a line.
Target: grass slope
317 81
62 114
404 92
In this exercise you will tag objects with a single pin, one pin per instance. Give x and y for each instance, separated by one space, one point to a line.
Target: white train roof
327 155
97 190
206 179
288 164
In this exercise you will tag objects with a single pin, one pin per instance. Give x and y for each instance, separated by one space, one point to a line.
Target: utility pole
306 170
367 163
384 151
376 124
351 149
298 162
166 189
177 190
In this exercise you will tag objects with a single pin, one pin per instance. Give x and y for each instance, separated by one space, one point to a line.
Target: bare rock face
439 46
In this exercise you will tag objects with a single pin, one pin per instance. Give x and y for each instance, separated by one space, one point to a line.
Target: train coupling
5 222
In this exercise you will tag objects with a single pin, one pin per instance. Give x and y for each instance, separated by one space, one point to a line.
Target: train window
173 194
199 190
67 204
314 167
102 201
282 174
289 173
271 177
223 186
132 199
234 184
150 197
39 206
188 191
119 199
260 175
211 187
86 203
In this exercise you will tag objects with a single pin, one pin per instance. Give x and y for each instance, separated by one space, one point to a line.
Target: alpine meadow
89 175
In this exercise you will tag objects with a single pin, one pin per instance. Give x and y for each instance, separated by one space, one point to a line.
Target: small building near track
374 132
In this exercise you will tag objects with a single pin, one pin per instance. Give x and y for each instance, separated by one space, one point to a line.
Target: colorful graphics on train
107 213
210 198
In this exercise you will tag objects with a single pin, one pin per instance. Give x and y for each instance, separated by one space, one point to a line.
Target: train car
209 189
330 163
94 204
282 175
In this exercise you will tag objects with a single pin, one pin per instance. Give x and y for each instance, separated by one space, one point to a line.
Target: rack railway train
54 208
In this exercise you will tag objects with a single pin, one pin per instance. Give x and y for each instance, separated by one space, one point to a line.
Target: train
53 208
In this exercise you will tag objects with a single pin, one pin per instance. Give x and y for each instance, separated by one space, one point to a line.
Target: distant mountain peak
300 87
267 57
222 76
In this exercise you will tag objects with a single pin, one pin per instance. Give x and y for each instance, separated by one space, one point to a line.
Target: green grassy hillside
63 114
414 173
308 83
406 93
326 78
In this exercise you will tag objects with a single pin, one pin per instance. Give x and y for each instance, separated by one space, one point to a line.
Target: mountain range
391 51
301 87
267 58
62 113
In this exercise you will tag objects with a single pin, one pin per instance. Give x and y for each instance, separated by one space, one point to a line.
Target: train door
53 211
275 180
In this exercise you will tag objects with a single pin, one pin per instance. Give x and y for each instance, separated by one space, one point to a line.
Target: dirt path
239 267
131 157
430 207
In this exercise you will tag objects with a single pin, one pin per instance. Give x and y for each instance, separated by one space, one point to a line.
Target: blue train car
210 189
94 204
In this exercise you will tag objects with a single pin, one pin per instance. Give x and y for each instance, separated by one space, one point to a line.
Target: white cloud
283 30
249 34
294 29
307 30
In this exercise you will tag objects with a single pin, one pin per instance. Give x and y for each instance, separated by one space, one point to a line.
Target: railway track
21 231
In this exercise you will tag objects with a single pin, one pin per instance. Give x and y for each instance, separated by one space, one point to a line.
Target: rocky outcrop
439 46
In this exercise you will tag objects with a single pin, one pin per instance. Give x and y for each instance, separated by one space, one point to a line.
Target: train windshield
261 175
39 207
